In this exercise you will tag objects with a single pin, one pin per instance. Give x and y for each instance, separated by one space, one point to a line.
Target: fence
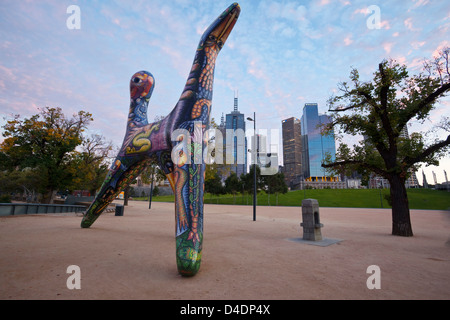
11 209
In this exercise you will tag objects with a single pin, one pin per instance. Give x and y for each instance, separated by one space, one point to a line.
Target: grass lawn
347 198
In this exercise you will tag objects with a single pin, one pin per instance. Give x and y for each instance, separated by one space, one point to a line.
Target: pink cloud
409 24
348 41
417 44
401 60
385 25
419 3
444 44
363 11
6 72
416 63
387 46
256 71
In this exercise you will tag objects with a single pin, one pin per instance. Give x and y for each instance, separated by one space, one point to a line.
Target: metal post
254 150
151 190
254 168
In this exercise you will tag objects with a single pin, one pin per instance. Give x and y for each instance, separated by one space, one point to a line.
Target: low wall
11 209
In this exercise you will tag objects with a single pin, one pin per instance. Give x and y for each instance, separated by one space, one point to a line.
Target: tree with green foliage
92 163
214 185
155 171
233 184
25 181
248 179
44 147
380 111
275 183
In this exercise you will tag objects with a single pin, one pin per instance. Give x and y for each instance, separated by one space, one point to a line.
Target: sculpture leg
119 177
189 217
189 170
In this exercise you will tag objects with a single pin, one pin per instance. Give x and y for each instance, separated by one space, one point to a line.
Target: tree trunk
49 196
126 194
401 222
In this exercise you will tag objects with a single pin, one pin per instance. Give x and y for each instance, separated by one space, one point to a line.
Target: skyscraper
292 150
235 140
315 145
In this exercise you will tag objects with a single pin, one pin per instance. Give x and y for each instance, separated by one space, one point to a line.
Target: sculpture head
141 85
219 30
141 88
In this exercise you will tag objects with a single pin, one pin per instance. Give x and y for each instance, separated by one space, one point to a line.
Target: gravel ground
133 256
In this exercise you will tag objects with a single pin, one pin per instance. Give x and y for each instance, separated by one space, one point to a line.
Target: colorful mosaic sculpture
176 143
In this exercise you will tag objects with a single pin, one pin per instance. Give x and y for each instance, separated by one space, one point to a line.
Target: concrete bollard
311 220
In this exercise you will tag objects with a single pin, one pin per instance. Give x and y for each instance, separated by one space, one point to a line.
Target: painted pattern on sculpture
145 143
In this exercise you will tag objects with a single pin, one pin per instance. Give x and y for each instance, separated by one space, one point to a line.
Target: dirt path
133 257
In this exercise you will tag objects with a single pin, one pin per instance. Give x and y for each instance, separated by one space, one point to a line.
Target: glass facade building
235 140
315 145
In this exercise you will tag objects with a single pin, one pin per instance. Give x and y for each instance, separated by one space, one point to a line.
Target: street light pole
151 190
255 147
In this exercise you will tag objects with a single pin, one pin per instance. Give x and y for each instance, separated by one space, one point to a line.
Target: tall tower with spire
235 140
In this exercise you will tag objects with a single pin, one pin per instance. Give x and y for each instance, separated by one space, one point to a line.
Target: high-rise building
235 140
315 145
292 150
220 150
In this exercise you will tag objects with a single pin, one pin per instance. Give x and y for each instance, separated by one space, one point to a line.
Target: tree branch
340 109
429 151
382 113
431 98
384 87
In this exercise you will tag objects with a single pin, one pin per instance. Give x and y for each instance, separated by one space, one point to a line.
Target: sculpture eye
137 80
212 38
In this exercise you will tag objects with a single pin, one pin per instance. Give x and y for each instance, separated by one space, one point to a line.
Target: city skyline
281 55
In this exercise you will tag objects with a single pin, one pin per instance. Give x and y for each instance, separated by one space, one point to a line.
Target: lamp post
151 190
254 168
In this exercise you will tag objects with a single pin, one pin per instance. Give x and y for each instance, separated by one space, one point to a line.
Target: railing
11 209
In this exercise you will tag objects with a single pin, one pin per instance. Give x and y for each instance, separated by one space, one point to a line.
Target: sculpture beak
229 19
220 29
